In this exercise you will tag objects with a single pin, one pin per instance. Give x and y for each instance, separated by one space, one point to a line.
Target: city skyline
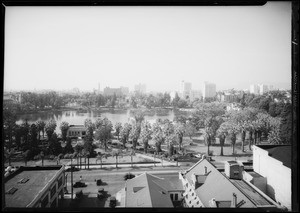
65 47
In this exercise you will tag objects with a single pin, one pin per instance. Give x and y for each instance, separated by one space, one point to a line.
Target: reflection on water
77 117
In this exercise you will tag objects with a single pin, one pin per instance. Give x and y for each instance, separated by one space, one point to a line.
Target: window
23 180
59 182
197 202
11 191
193 194
53 191
187 196
187 185
190 202
53 204
176 196
172 196
44 202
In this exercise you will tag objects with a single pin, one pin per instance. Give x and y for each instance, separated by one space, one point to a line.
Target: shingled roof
147 190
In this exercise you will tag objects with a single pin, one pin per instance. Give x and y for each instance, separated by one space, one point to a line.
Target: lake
74 117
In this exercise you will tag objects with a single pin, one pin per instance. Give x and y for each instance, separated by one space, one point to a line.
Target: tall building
254 89
140 88
263 89
125 90
111 91
185 89
209 90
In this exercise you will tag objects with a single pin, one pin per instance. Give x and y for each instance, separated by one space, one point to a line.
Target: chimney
234 200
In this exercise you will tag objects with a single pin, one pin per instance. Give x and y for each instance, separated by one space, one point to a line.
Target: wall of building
278 176
190 197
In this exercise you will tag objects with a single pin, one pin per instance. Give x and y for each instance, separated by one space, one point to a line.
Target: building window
172 196
187 185
187 196
197 202
44 202
53 191
176 196
59 182
193 194
53 204
190 202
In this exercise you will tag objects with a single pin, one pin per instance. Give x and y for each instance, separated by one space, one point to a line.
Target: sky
61 48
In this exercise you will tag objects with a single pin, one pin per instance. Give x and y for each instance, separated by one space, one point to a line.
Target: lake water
74 117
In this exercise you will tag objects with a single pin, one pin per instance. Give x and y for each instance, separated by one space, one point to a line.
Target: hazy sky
67 47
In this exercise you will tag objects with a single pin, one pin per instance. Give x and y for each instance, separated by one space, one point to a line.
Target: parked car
101 193
112 202
99 182
79 184
69 169
79 194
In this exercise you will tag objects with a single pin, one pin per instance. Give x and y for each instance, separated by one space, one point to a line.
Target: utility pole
71 179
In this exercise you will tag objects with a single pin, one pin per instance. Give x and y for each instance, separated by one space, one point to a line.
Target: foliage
50 128
118 127
54 145
134 134
124 134
145 134
64 126
103 133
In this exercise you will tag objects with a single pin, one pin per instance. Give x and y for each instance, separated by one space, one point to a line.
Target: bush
51 157
67 156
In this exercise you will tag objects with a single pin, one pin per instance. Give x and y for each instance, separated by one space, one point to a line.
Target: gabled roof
147 190
279 152
219 187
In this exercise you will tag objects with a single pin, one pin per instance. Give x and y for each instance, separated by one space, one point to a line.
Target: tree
40 127
68 148
90 127
134 135
50 128
222 138
118 127
42 156
100 157
231 129
26 156
190 130
8 155
103 133
145 134
33 139
274 133
132 153
25 134
286 130
180 129
176 100
64 127
158 138
124 134
171 141
9 121
117 154
54 145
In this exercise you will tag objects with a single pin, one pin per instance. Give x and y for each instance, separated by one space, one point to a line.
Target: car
198 155
101 193
112 202
73 169
79 184
99 182
79 194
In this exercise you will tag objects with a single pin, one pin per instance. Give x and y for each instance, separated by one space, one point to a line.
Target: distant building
254 89
206 186
147 190
209 90
111 91
274 163
173 95
35 187
195 94
124 90
185 89
263 89
76 131
140 88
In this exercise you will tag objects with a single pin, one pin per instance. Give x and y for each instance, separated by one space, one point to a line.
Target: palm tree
117 154
132 153
64 126
118 127
145 134
179 131
171 141
100 157
41 127
222 136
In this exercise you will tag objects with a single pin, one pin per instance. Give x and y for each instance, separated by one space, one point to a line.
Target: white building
185 89
194 94
274 163
263 89
209 90
254 89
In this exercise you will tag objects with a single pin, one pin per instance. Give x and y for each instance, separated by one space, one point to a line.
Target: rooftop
216 180
279 152
147 190
26 183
